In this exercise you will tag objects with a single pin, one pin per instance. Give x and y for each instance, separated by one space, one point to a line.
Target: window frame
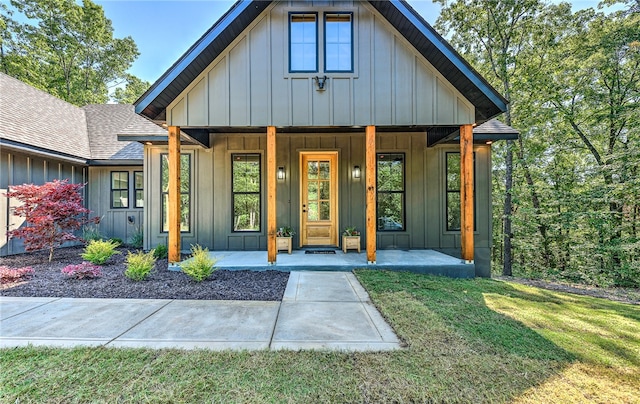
403 192
162 193
317 65
324 40
112 189
136 189
458 191
259 193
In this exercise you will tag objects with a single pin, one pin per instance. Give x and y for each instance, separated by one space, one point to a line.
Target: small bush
161 252
116 240
98 251
86 270
139 265
91 233
9 275
200 266
137 239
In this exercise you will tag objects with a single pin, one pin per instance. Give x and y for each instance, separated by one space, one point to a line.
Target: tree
53 211
66 49
134 88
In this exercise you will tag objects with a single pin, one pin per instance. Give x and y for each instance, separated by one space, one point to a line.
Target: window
338 42
185 192
246 192
138 188
119 189
390 192
303 43
453 191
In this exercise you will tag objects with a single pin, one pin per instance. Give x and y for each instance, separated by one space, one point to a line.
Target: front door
319 198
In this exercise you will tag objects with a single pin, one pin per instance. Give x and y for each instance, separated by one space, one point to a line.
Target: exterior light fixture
356 172
489 142
321 82
281 175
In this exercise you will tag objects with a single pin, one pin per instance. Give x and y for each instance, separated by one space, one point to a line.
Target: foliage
85 270
66 49
133 89
351 231
199 266
161 252
116 240
91 232
10 275
53 211
139 265
99 251
137 239
285 231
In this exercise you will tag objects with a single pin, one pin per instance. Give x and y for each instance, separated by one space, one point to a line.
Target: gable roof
31 119
487 101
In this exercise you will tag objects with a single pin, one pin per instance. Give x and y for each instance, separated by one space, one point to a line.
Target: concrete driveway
319 310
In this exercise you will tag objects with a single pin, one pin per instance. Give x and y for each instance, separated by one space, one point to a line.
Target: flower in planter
351 231
285 231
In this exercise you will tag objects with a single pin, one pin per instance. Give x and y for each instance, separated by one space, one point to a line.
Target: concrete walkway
320 310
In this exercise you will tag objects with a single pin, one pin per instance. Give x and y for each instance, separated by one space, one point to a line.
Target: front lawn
468 341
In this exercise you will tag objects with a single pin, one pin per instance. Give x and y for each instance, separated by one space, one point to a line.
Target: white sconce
356 172
281 175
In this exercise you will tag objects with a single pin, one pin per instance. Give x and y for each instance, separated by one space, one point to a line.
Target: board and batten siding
249 84
19 168
425 193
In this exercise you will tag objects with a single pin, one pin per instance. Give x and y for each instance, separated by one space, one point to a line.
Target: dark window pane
246 212
312 211
120 199
325 210
246 192
453 211
139 199
138 179
246 173
390 172
391 211
453 171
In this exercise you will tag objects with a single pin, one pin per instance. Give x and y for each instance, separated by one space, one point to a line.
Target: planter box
283 243
350 243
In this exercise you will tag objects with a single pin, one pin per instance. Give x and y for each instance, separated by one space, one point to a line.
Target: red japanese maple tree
53 212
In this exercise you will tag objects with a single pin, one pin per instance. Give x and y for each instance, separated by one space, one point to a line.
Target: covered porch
417 261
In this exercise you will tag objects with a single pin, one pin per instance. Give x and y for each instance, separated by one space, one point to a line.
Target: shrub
90 233
86 270
98 251
139 265
53 212
137 239
161 252
116 240
200 266
9 275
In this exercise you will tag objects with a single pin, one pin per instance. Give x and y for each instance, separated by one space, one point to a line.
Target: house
43 138
320 115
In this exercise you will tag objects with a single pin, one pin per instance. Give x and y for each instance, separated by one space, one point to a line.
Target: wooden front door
319 198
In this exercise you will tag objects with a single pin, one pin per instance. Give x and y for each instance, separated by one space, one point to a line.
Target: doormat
320 252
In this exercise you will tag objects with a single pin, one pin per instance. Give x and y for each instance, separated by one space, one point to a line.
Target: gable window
246 192
185 191
303 42
138 188
338 42
119 189
390 192
453 191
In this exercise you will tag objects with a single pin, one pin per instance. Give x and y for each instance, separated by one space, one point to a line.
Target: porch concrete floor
418 261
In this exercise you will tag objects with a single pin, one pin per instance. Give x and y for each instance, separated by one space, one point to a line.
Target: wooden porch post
370 175
466 192
174 194
271 194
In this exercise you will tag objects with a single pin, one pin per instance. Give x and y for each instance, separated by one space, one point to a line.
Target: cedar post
466 192
271 194
370 175
174 194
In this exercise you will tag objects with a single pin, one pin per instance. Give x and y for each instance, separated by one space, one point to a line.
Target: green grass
467 341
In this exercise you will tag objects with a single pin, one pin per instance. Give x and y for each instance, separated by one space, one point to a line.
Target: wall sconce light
356 172
281 175
321 81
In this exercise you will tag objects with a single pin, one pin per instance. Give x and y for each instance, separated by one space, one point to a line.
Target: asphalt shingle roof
494 127
104 121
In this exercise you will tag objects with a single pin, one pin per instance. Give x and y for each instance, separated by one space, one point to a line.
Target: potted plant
350 239
284 236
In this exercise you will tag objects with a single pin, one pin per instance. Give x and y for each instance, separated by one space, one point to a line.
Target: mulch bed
48 281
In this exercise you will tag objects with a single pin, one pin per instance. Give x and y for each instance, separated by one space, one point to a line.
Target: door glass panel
324 170
324 190
325 210
312 170
312 211
312 194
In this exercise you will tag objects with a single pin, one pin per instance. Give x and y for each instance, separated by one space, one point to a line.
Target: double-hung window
245 191
390 192
338 42
119 189
185 192
303 42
